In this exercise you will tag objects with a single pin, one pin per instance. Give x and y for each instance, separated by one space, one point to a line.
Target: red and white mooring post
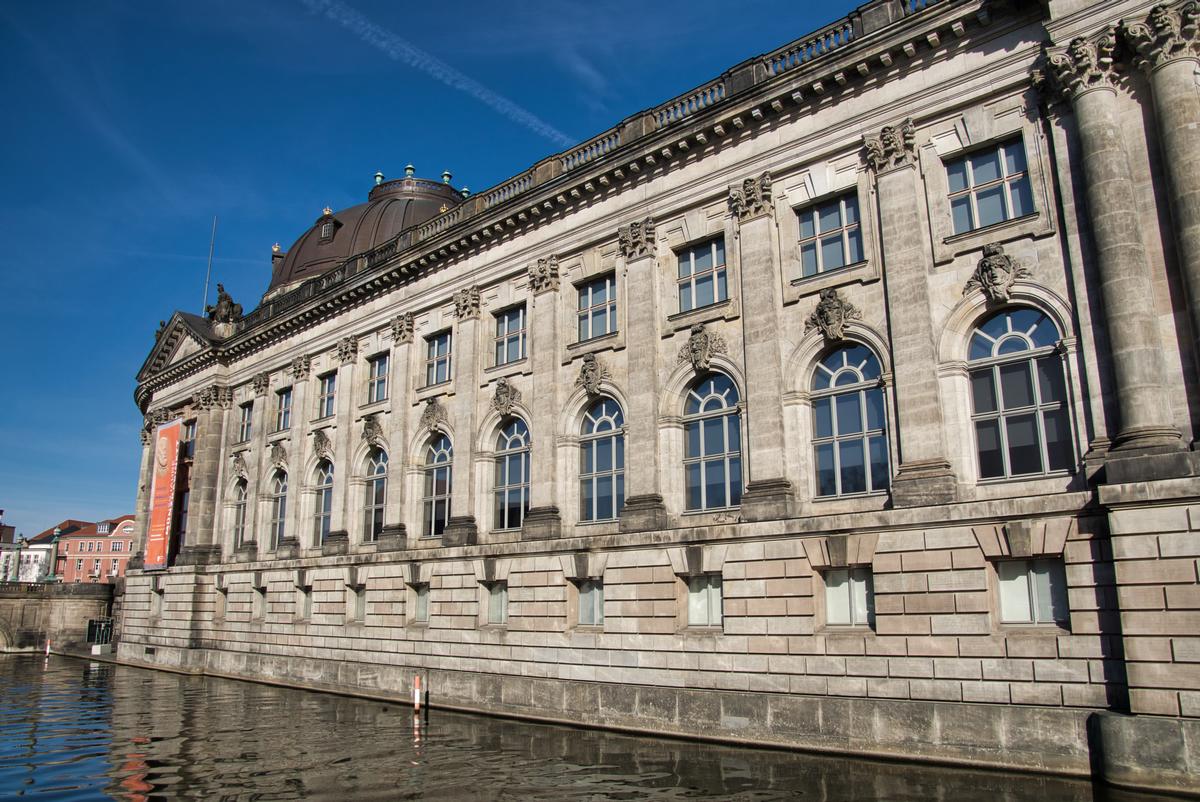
47 647
417 694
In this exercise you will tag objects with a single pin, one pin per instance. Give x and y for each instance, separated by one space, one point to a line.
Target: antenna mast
208 273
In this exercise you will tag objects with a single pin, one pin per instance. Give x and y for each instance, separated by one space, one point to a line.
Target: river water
73 729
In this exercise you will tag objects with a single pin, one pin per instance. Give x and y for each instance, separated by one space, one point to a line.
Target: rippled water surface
72 729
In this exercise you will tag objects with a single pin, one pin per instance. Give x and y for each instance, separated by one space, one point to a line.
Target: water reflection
77 730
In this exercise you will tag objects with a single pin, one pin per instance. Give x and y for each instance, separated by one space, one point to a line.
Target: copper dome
391 207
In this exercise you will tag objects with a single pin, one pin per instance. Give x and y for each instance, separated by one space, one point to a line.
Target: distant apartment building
96 553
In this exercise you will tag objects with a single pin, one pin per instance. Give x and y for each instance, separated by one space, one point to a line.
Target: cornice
638 149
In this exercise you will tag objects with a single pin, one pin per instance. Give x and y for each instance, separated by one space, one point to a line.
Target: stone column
1167 48
768 492
394 535
924 476
543 519
1083 73
210 404
461 529
644 508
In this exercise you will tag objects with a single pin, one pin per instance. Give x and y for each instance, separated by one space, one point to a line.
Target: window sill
428 391
322 419
1026 628
721 310
834 275
374 405
517 367
851 496
844 629
613 341
993 481
954 239
702 630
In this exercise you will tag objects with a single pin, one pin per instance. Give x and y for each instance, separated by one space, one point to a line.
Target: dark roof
67 527
391 207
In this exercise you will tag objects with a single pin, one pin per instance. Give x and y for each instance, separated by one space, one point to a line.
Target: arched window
512 474
377 465
712 459
1018 396
435 501
602 462
279 487
240 493
323 514
849 424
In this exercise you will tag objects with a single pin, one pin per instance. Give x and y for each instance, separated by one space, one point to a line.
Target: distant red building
95 552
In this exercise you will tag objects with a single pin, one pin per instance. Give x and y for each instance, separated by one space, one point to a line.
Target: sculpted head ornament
831 316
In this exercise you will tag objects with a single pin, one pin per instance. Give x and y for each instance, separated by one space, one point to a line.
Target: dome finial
446 176
409 170
378 177
465 192
275 248
327 211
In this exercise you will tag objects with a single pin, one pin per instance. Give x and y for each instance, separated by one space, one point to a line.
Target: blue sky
128 125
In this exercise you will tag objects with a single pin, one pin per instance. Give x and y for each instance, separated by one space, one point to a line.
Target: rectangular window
327 395
421 607
702 279
283 409
849 597
989 186
79 566
437 359
91 545
704 600
830 236
113 569
377 379
497 607
117 545
1033 592
510 335
598 307
189 447
247 416
95 566
591 602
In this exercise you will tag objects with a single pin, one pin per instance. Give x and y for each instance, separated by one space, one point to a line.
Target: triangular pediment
183 337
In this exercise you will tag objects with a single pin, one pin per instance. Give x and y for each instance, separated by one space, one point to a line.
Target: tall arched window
240 492
712 459
377 465
512 474
1018 396
849 424
323 513
435 501
602 462
278 523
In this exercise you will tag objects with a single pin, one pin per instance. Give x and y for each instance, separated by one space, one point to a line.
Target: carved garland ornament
301 366
347 350
1166 35
322 448
831 316
434 417
995 274
895 146
466 303
279 456
1084 65
701 347
372 433
591 374
752 199
506 397
543 275
636 239
402 328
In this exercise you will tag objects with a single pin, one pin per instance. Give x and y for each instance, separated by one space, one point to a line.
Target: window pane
854 244
704 290
849 414
733 431
983 392
692 481
1024 454
829 216
879 464
1040 578
685 297
1016 385
822 417
1014 158
826 479
874 409
714 483
1022 197
1050 380
861 595
600 321
722 286
807 229
837 597
703 258
985 167
808 258
604 454
854 477
714 436
831 252
714 601
1014 591
692 439
960 208
1058 439
851 205
604 497
956 174
697 601
987 437
583 328
990 205
685 264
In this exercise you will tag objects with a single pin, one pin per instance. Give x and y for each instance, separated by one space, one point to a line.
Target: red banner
162 493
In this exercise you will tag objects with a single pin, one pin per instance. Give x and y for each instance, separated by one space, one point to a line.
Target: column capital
896 146
213 397
347 350
1165 35
1084 64
543 275
466 303
752 198
301 365
402 328
636 239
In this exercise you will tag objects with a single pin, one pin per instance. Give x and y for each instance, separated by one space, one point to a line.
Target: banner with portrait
165 471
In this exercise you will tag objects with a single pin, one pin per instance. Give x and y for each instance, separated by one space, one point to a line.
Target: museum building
847 402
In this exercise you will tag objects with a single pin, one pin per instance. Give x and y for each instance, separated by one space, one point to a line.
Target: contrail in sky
403 51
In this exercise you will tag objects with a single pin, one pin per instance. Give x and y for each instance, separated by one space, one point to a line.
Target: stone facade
989 569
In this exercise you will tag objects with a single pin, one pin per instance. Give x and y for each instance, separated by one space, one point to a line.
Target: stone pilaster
462 529
394 534
768 492
644 508
1167 48
1083 73
924 475
342 437
142 509
211 405
543 519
